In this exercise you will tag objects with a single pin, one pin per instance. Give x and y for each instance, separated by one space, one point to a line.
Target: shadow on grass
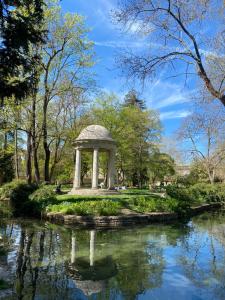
77 200
137 193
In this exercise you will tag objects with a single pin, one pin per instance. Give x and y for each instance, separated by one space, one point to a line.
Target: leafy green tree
197 174
136 133
161 165
63 78
67 57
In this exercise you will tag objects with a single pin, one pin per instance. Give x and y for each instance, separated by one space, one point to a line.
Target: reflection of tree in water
139 271
177 233
58 263
203 256
141 267
6 244
38 271
34 259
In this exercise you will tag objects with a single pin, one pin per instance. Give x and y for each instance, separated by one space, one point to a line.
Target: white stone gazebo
94 138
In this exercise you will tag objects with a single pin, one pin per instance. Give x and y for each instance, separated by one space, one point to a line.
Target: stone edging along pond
123 220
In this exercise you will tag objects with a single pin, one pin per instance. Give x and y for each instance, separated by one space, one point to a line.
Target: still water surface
44 261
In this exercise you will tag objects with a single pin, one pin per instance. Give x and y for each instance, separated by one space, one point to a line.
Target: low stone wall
123 220
206 207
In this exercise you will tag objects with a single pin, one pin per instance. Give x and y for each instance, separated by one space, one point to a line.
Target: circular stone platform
95 192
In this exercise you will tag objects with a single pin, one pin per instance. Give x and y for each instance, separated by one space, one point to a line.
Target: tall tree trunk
52 170
34 142
5 141
19 263
37 268
36 165
29 159
22 261
16 153
56 158
45 144
211 175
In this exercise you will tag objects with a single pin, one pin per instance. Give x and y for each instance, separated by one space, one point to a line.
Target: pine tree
131 99
20 29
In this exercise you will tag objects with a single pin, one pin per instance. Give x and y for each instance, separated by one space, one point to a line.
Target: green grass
141 201
36 201
144 204
82 208
126 194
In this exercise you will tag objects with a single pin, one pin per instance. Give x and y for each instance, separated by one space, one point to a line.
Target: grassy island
30 200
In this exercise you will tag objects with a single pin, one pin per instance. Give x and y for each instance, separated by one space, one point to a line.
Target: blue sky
170 96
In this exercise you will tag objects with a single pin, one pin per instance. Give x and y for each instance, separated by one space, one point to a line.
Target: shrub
146 204
183 197
181 194
5 209
18 193
197 194
208 193
41 198
6 189
182 208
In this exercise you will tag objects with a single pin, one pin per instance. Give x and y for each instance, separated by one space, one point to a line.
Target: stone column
111 169
95 169
92 247
73 249
76 183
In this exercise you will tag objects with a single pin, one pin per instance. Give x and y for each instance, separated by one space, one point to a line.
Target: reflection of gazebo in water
94 138
90 275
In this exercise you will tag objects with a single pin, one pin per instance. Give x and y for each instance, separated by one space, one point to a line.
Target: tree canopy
136 132
177 38
21 29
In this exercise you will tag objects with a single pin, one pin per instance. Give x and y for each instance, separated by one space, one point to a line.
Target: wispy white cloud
126 43
175 98
174 114
107 4
119 44
103 11
163 93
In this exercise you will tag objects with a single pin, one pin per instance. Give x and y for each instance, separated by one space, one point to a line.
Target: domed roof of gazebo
95 132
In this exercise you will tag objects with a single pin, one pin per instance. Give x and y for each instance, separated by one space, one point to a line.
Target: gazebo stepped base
91 192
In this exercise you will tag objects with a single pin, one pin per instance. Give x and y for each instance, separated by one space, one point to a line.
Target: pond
45 261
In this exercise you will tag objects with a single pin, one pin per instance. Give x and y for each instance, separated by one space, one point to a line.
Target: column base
92 192
75 188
